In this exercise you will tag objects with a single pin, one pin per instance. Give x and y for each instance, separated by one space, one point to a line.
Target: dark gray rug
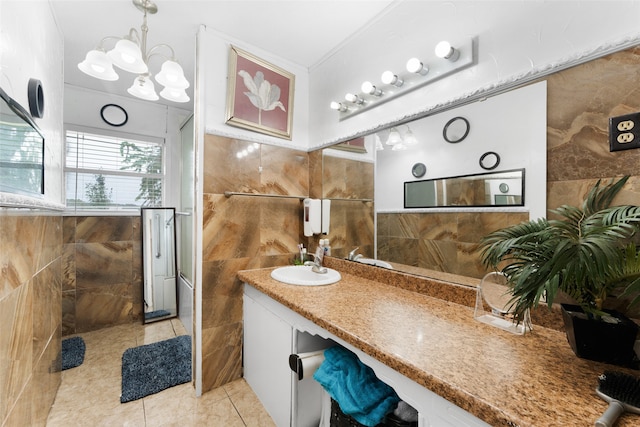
156 314
72 352
151 368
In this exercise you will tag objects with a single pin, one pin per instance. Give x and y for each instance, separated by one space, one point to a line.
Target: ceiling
300 31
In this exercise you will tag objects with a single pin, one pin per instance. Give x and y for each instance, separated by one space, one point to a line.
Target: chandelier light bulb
126 55
409 137
171 75
175 95
389 78
394 137
446 51
414 65
399 147
97 64
143 88
370 89
379 146
130 53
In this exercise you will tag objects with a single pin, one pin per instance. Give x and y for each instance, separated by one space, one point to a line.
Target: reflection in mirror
21 150
456 130
486 189
159 264
441 241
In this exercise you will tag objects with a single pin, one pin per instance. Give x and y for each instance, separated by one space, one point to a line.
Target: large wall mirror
159 264
410 233
21 150
564 116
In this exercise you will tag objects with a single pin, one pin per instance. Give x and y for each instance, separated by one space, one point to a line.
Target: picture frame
355 145
259 95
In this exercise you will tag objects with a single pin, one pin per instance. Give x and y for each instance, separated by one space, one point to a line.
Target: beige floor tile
178 327
250 409
218 413
128 414
89 395
213 395
237 386
154 332
170 405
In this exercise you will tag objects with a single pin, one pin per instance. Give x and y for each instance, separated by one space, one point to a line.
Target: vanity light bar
449 59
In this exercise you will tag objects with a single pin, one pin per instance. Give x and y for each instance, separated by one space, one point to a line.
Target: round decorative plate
456 130
489 160
418 170
114 115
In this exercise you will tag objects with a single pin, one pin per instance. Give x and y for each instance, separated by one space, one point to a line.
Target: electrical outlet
624 132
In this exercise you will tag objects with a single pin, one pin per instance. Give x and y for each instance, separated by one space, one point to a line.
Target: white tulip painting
262 94
259 95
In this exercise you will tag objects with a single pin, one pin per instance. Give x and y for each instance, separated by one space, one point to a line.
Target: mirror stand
493 303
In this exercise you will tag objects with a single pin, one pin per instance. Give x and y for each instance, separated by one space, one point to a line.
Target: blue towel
355 387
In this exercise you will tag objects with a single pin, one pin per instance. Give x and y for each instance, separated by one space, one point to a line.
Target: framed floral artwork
259 95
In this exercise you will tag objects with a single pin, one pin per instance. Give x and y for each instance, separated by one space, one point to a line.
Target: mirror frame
144 249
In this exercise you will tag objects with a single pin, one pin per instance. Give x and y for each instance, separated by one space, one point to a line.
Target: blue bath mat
72 352
151 368
156 314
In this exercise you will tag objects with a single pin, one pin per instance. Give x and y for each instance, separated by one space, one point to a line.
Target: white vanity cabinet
272 332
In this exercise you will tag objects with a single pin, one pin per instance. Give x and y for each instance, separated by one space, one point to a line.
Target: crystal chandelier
130 54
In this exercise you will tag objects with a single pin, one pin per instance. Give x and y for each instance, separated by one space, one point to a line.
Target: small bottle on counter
327 247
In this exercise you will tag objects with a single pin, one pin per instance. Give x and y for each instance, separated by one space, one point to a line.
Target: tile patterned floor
90 394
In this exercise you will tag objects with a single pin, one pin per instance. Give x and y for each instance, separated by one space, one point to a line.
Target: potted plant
589 254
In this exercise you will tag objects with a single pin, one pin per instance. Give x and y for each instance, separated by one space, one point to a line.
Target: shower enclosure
159 263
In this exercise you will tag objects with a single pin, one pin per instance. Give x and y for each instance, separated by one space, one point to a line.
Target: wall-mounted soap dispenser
312 216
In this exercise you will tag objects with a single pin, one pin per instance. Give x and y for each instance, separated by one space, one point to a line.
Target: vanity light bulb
446 51
389 78
353 98
369 88
338 106
414 65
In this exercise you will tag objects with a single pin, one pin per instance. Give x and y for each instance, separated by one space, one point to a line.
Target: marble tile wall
241 232
102 280
351 220
439 241
580 102
30 321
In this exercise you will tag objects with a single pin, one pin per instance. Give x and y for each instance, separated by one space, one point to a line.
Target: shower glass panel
159 264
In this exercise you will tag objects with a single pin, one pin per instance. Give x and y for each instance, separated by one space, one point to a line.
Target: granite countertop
504 379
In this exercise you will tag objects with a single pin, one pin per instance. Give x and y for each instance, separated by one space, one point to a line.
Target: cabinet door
267 346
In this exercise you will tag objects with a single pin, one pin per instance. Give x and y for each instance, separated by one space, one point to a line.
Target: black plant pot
609 341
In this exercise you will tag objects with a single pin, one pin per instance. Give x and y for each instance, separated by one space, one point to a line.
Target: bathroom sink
376 262
303 276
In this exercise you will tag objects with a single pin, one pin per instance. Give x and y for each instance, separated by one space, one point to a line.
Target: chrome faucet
316 264
353 256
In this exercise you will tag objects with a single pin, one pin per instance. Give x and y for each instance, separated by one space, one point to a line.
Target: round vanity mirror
489 160
456 130
496 292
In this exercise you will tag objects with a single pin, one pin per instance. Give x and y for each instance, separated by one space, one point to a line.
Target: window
112 173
